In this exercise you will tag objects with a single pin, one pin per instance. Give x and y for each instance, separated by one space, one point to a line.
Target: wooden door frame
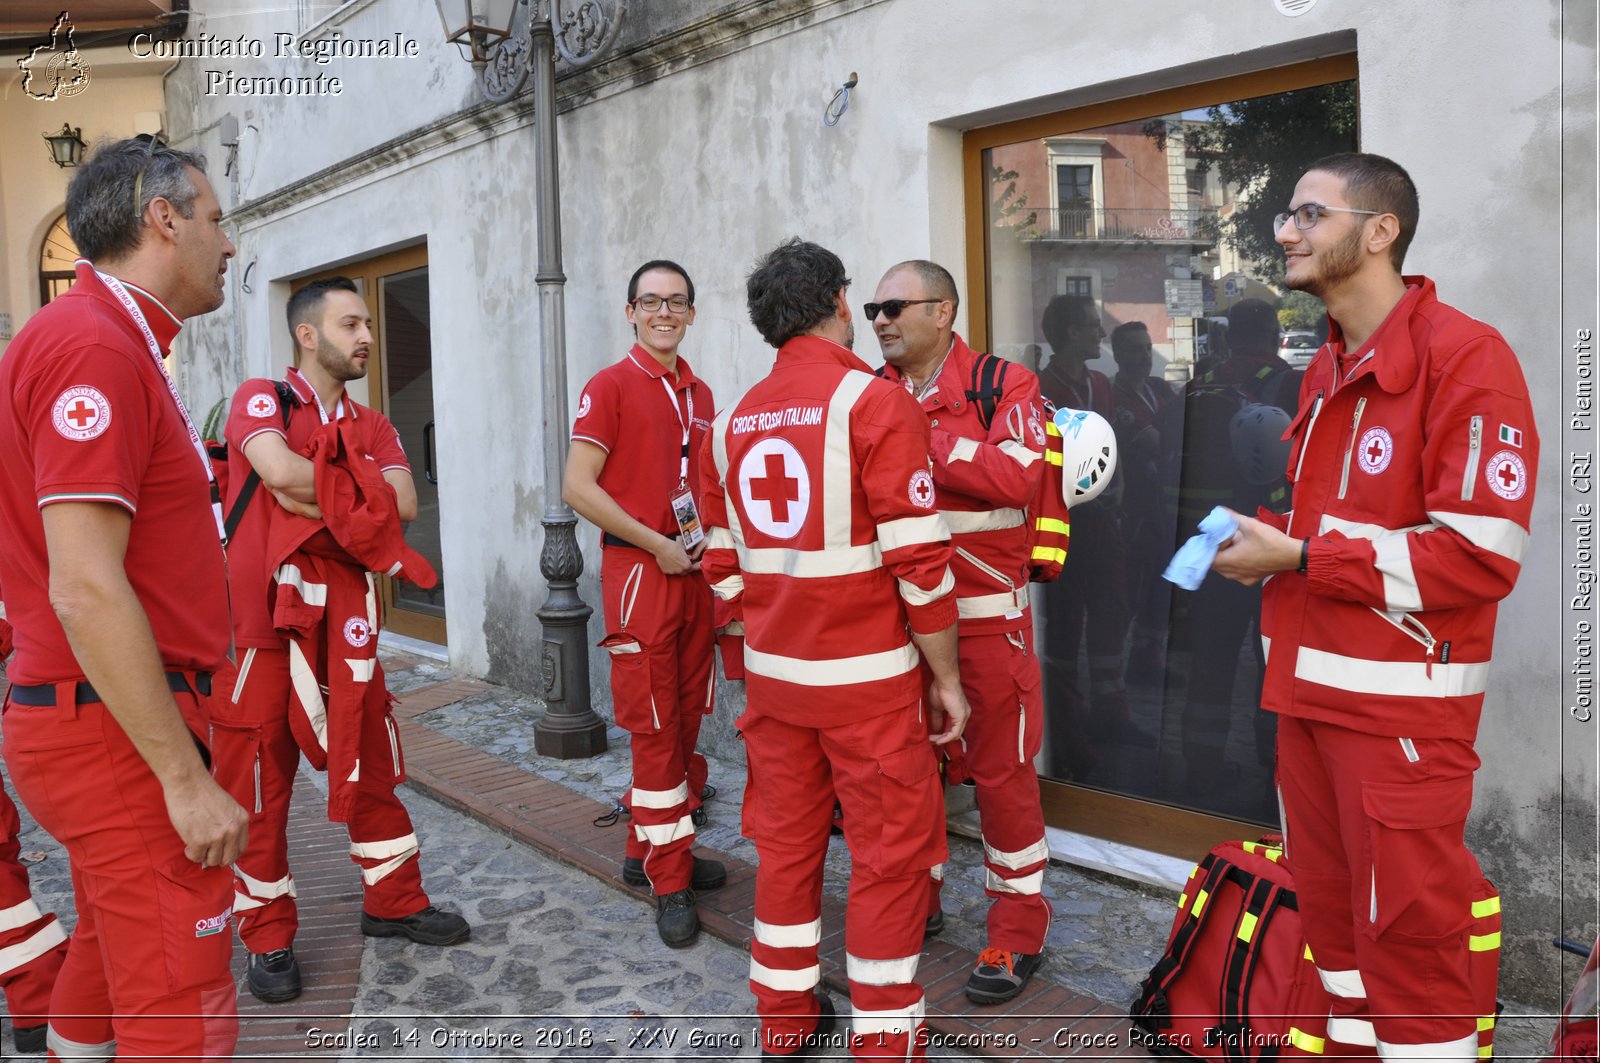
369 271
1137 822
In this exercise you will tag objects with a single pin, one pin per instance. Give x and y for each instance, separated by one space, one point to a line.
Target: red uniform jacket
823 531
1413 474
325 605
986 478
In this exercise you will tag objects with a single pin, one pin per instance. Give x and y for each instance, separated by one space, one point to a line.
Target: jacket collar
954 372
1389 355
816 349
307 394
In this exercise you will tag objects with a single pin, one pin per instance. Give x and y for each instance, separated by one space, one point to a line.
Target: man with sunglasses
1413 458
988 464
111 556
632 471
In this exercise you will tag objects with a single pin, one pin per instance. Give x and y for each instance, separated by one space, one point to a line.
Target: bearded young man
256 753
1412 459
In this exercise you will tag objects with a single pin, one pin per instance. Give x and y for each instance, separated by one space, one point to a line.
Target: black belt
45 693
607 539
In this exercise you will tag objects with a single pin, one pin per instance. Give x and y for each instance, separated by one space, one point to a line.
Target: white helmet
1259 450
1089 453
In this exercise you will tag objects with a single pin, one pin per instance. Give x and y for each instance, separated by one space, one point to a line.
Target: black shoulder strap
247 490
987 385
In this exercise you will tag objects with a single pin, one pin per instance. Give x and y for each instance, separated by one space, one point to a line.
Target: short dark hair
1120 334
101 214
659 263
305 305
1372 182
1055 322
1252 327
935 279
791 291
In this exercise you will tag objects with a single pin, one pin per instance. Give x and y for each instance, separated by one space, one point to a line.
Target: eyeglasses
892 308
152 144
1306 215
651 303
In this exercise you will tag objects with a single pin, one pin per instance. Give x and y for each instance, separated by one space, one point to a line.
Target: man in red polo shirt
634 471
111 556
256 753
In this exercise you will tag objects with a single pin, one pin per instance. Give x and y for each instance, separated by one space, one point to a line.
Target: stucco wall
711 162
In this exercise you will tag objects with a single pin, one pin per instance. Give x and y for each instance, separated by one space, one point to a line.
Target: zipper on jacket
1355 426
990 570
257 769
1416 630
1316 408
1469 480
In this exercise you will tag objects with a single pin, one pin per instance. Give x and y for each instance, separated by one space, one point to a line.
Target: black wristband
1305 555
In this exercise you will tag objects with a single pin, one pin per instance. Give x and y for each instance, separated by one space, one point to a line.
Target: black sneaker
1000 975
811 1046
677 919
707 874
431 926
934 925
273 977
29 1040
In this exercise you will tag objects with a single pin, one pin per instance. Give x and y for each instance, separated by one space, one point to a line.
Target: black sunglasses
891 308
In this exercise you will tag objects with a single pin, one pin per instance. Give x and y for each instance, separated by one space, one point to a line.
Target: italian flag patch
1511 436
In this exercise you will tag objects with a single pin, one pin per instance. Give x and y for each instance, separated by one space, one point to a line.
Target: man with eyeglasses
988 461
825 537
111 557
1413 459
633 472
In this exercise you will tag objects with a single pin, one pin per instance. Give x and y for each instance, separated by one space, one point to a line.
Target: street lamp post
509 40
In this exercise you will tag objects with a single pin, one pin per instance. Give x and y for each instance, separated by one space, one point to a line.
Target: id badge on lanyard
690 531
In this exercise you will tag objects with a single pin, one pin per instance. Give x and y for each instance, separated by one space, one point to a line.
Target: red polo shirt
86 416
255 410
637 415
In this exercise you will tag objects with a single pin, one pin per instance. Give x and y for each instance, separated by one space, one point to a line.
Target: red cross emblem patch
1508 475
261 406
921 488
775 488
1375 450
357 632
81 412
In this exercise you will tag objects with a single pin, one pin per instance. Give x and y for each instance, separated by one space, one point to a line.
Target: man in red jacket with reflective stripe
1413 459
823 531
986 474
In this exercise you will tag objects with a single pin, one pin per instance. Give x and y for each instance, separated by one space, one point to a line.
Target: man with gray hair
111 556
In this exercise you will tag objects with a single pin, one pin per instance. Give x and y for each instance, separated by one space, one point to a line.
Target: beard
338 364
850 335
1334 265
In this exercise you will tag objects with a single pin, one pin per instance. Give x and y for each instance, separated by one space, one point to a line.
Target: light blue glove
1190 564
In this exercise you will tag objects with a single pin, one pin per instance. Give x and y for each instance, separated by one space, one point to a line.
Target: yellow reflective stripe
1485 1022
1199 903
1047 553
1061 527
1051 428
1486 1051
1306 1042
1308 955
1483 908
1247 926
1054 457
1484 942
1183 899
1272 853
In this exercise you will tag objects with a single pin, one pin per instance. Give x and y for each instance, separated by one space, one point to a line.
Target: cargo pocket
397 757
236 756
1419 872
911 820
633 700
195 906
1030 726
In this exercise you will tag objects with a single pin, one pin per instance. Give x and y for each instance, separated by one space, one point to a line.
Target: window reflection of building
1139 228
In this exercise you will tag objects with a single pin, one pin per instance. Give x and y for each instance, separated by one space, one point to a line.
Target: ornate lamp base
569 728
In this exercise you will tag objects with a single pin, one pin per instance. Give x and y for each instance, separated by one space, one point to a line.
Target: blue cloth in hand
1190 564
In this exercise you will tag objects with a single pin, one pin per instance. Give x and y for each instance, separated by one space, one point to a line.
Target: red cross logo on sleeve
1508 475
261 406
81 413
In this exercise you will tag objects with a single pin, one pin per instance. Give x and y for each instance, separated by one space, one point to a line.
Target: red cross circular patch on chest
1508 475
1375 450
80 413
261 406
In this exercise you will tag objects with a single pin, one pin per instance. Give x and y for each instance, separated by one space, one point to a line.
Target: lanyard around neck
672 397
117 289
